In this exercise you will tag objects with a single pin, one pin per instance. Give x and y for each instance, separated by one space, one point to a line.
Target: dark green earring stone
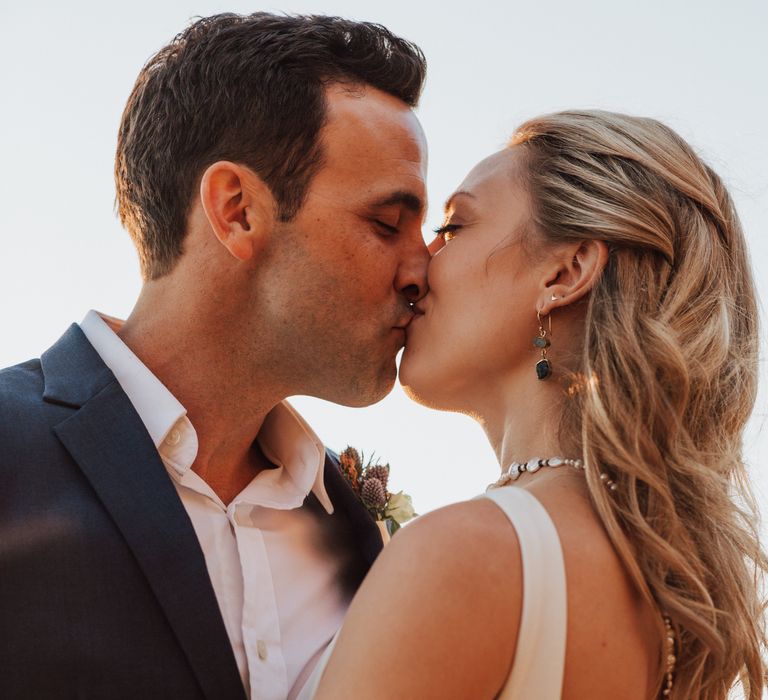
543 369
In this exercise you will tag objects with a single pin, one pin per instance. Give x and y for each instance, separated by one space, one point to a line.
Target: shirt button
261 649
173 438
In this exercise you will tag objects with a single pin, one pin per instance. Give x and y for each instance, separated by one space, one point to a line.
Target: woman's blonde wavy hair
666 379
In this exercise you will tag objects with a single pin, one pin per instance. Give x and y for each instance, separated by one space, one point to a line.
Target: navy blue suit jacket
104 592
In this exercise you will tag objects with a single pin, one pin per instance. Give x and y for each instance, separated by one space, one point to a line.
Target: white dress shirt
278 592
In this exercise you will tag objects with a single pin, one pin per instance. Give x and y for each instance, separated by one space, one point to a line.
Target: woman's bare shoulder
444 600
478 522
471 544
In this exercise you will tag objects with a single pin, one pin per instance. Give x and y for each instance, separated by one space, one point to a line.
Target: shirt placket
261 625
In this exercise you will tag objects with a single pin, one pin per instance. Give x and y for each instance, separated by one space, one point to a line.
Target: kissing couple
171 526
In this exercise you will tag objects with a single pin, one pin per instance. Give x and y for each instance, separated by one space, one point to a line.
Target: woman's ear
576 269
239 207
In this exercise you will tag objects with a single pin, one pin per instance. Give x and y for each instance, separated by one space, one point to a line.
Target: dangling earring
543 366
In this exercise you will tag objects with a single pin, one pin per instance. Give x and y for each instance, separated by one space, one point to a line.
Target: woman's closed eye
447 231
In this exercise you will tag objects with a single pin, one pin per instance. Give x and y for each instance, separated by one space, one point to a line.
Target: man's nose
411 279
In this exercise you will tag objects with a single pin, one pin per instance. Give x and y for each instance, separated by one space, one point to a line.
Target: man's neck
224 405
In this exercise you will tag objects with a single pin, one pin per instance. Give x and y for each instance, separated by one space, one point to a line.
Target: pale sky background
66 70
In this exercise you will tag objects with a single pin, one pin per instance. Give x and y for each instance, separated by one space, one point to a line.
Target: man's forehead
350 98
374 153
367 118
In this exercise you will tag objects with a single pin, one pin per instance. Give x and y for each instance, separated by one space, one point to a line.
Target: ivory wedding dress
537 671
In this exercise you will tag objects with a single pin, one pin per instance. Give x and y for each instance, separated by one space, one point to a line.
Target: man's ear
575 270
239 207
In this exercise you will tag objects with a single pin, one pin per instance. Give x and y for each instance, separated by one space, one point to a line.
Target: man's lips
415 311
405 322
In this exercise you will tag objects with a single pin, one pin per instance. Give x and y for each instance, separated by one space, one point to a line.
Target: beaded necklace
516 469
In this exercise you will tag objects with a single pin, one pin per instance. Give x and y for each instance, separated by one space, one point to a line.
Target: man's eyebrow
409 200
450 199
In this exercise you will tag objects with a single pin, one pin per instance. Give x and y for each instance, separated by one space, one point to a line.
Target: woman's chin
422 385
410 392
437 401
412 377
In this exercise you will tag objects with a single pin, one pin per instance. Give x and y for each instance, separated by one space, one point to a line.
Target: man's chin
380 389
359 392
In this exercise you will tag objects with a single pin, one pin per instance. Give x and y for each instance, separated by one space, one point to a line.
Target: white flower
400 508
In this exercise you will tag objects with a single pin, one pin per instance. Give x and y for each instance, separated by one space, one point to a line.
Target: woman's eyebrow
458 193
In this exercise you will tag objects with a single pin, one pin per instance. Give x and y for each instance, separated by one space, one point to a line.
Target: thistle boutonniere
369 481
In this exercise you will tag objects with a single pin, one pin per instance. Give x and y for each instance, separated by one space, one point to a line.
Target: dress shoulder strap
537 671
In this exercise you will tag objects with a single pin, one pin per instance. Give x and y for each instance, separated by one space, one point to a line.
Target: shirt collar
157 407
285 438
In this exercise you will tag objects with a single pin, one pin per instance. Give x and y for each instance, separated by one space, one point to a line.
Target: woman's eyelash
447 231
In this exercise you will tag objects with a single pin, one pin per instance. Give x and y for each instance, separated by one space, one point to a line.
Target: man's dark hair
245 88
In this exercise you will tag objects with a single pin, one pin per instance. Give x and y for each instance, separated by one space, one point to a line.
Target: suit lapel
110 444
344 499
